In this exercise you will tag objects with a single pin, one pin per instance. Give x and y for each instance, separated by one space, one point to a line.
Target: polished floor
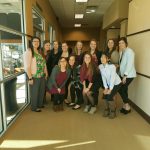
75 130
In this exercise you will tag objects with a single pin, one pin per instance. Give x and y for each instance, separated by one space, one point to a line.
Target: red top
84 75
61 76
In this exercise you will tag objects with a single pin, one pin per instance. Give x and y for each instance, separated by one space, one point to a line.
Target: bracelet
30 78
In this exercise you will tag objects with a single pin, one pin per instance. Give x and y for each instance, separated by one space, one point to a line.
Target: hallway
75 130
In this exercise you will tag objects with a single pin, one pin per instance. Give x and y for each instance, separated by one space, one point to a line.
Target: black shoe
37 110
124 111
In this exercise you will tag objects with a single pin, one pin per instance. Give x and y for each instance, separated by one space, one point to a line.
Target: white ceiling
66 9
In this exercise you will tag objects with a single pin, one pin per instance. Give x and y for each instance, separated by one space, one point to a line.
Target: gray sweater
52 80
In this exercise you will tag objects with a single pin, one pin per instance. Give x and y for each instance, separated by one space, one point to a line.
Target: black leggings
123 91
76 92
109 97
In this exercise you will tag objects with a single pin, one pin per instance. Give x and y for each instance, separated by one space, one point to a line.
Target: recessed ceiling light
79 16
77 25
90 11
81 1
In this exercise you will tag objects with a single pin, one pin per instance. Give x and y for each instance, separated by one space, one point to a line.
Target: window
12 53
11 14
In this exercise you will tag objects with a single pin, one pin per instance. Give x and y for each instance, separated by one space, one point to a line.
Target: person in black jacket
53 57
96 59
75 84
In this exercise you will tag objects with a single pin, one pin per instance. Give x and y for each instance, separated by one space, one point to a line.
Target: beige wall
123 28
138 21
139 11
115 13
113 33
75 34
48 15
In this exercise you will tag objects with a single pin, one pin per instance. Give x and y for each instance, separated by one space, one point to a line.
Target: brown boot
55 108
61 107
107 110
112 107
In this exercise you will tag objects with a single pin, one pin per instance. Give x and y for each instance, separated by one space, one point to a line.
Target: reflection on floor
75 130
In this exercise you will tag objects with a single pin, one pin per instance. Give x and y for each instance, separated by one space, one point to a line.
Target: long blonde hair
75 49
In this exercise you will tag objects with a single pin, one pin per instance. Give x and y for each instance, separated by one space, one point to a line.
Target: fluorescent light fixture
81 1
90 11
77 25
79 16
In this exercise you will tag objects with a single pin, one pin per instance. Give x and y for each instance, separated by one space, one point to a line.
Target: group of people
82 73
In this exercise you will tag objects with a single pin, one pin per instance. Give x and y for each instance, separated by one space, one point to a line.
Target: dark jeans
66 89
58 99
37 92
76 92
123 91
109 97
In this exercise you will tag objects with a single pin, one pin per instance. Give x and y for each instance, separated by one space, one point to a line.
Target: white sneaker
87 108
71 104
92 110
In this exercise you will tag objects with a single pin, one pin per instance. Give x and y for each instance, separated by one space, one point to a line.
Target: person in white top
127 72
111 83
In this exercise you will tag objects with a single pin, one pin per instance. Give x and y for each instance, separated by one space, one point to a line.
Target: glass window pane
1 125
10 14
15 96
37 21
12 53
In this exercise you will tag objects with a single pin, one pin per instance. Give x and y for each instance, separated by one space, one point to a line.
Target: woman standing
112 83
88 76
96 55
79 53
112 53
56 83
46 49
45 53
35 67
127 72
53 57
65 54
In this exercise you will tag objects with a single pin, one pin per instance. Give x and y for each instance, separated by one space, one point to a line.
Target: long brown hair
90 71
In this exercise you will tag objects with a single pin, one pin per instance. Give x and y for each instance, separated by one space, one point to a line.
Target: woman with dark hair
89 77
46 49
112 53
75 84
111 82
57 81
45 53
35 67
127 72
53 57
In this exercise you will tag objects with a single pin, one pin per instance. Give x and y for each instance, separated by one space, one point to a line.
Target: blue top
109 76
127 63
